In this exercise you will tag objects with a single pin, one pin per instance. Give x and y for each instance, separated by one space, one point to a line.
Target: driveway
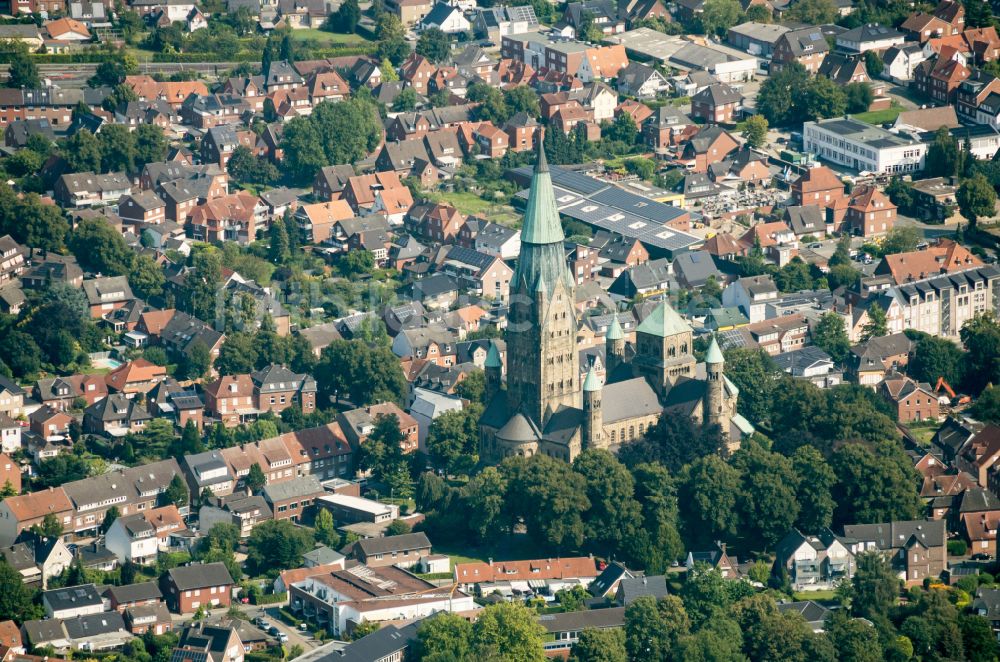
905 96
270 612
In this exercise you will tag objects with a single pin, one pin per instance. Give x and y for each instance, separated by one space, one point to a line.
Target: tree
238 354
405 101
934 358
759 14
109 518
146 277
473 387
777 97
794 276
82 152
177 492
859 97
874 64
492 106
980 645
753 372
278 250
324 528
614 516
874 485
277 544
453 439
397 527
719 15
98 247
707 493
346 19
23 73
874 586
877 324
150 144
651 632
657 543
755 131
673 441
434 44
49 528
15 597
356 262
942 155
822 98
549 497
901 240
363 374
342 132
976 199
521 99
830 335
599 645
508 631
768 505
484 497
444 636
813 12
622 129
246 168
255 480
978 13
117 145
815 481
981 338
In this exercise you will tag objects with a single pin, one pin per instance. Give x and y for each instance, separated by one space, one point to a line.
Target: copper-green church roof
493 357
615 330
663 321
592 382
714 354
541 217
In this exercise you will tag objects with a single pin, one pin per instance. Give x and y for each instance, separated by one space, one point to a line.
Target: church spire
541 217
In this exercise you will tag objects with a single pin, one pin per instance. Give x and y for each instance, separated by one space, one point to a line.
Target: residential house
750 295
807 46
869 37
358 423
642 81
717 557
293 499
716 104
871 361
917 549
190 587
813 562
86 189
135 377
115 416
403 550
69 602
710 145
106 294
133 540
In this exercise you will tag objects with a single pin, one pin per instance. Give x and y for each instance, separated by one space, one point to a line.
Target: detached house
916 548
716 104
188 588
914 401
813 562
115 416
807 46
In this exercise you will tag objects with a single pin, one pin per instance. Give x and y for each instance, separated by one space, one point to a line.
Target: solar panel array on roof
815 36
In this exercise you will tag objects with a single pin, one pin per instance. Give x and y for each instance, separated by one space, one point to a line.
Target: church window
614 434
641 428
671 351
684 348
631 432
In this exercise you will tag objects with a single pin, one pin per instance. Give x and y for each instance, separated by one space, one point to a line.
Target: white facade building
863 147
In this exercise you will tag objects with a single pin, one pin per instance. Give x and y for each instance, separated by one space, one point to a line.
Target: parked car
282 637
981 557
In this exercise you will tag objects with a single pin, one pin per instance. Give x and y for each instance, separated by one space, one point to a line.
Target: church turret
614 345
593 416
494 371
714 403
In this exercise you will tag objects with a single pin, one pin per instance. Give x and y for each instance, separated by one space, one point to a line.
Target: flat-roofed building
863 147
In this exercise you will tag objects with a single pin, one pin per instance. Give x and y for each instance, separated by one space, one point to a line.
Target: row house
234 217
483 274
939 79
61 392
323 452
814 562
53 104
916 549
415 125
142 208
80 506
204 111
236 399
115 416
941 304
12 262
667 127
973 100
947 19
317 222
361 191
774 336
358 424
331 181
221 141
146 88
250 88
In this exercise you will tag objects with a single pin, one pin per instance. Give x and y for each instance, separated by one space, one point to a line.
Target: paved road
270 612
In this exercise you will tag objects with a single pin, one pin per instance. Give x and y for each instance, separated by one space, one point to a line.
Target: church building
545 408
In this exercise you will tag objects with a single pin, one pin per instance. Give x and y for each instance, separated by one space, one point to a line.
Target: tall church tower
543 371
716 410
614 346
593 416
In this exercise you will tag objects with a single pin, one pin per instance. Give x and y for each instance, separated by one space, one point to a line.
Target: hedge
271 598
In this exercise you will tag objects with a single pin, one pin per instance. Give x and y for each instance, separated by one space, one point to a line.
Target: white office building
863 147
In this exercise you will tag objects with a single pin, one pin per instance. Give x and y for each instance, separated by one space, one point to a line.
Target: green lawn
465 202
879 116
816 596
323 38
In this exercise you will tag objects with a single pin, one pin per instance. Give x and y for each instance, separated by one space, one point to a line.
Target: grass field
816 596
323 38
879 116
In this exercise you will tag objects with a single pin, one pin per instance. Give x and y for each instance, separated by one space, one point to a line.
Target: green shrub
957 547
